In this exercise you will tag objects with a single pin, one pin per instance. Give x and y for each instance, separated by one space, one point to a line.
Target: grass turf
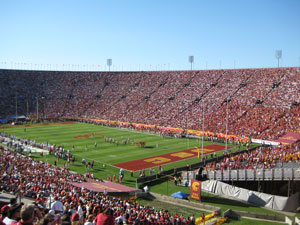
105 153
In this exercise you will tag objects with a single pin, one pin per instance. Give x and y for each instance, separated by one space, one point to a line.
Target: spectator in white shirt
57 206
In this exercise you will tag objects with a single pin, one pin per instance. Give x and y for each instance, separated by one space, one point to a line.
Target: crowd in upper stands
263 157
258 103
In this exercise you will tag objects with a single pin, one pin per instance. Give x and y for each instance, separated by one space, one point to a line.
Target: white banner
265 142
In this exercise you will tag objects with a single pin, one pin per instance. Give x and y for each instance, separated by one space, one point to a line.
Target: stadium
258 108
159 142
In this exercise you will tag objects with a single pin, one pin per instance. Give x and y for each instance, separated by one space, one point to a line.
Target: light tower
278 55
109 63
191 60
16 106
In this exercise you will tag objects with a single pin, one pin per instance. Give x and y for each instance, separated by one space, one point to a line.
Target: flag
196 190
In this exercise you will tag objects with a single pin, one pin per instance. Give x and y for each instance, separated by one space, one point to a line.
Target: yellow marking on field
182 154
204 150
158 160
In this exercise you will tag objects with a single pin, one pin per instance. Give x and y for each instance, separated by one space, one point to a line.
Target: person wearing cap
76 219
13 214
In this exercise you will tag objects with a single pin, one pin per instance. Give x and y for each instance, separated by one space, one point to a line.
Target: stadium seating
261 103
261 158
42 182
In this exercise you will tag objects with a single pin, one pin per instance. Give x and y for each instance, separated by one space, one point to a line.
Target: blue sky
148 34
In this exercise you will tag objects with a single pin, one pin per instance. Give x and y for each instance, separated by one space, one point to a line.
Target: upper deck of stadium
261 103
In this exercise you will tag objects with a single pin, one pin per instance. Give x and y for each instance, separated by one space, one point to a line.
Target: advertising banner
196 190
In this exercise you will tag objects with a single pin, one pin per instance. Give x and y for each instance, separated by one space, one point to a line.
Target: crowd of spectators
50 187
260 103
18 88
263 157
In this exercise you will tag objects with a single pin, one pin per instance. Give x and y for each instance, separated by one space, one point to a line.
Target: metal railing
258 174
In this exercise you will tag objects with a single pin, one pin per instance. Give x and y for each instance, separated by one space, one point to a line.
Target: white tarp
256 198
27 148
265 142
38 150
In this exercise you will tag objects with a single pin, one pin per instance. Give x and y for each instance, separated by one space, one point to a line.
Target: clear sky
148 34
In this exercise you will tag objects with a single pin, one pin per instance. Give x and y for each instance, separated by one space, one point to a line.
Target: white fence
240 175
259 174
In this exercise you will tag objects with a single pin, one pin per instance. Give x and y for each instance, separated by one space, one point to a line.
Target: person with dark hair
106 217
27 215
96 210
12 201
65 222
48 219
13 214
66 217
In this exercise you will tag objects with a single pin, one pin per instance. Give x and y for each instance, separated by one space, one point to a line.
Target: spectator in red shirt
105 218
4 213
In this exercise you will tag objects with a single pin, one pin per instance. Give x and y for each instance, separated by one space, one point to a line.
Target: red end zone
168 158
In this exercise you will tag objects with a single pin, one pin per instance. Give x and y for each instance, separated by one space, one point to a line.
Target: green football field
105 154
